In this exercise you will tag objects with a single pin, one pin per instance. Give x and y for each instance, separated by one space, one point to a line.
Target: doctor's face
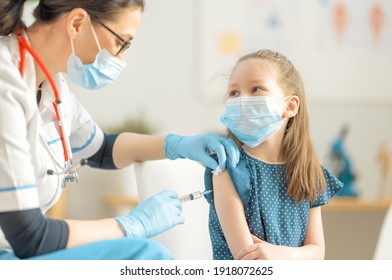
114 36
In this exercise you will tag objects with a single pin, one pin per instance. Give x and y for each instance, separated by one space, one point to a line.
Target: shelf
348 204
120 201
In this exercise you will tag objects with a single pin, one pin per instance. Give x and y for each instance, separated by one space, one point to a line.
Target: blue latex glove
200 147
153 216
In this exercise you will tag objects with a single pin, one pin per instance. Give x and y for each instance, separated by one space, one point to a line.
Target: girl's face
254 77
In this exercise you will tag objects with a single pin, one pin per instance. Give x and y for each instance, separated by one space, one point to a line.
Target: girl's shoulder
240 176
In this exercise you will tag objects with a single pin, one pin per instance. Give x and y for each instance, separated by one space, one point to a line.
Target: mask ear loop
285 101
72 47
94 34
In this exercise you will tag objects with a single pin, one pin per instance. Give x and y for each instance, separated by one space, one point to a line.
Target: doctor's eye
234 93
119 43
124 47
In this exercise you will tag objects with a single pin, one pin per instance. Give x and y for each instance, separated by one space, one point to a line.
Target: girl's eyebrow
259 81
233 85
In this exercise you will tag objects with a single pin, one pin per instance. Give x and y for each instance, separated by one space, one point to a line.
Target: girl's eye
234 93
256 89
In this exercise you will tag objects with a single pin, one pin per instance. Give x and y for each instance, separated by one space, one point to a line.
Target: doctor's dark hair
11 11
305 176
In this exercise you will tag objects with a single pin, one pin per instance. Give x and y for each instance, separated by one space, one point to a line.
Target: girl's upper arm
314 233
231 213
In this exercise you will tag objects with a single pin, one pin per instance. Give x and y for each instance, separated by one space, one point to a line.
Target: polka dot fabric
270 213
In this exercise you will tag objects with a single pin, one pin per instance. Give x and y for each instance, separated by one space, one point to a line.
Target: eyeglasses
124 46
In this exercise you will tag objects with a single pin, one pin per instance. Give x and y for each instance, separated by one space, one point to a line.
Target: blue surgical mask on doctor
253 119
103 71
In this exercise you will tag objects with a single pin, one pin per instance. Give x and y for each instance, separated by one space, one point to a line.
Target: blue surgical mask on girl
253 119
103 71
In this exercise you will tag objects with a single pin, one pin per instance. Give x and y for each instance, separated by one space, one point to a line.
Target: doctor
45 132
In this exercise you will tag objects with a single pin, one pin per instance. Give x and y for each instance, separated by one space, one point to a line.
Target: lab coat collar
29 76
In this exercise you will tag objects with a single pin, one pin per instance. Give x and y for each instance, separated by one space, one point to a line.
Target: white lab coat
29 138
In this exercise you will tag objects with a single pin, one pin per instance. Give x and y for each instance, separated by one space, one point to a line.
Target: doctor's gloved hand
200 147
153 216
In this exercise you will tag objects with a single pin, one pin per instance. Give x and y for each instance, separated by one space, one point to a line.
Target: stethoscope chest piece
70 175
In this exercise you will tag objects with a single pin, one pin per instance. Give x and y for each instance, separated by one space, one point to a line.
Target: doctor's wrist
130 226
171 146
119 228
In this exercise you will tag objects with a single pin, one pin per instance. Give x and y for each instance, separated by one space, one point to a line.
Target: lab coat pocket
50 135
50 186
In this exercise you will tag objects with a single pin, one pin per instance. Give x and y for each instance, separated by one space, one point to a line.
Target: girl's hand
262 250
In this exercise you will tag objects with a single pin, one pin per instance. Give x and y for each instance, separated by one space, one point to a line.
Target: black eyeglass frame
125 45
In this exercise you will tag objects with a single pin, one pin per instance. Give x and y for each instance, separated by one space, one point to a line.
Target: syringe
192 196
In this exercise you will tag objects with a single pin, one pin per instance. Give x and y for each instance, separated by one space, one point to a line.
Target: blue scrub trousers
116 249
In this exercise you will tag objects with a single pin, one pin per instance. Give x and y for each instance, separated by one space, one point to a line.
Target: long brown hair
305 176
47 11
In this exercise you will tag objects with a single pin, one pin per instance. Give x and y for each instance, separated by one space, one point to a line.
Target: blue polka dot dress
271 215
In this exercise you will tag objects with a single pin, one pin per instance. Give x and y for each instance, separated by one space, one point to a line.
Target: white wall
345 85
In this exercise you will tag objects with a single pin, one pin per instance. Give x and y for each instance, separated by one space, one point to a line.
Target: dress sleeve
208 195
332 188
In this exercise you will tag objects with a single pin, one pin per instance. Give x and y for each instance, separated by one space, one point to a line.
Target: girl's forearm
305 252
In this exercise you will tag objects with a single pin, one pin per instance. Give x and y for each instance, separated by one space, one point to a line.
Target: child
267 207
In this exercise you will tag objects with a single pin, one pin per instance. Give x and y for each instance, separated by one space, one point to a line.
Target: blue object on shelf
344 170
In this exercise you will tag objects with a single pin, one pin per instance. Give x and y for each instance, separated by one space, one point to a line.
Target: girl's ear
74 21
292 107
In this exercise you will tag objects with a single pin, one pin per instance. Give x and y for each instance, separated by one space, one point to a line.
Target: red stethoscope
70 175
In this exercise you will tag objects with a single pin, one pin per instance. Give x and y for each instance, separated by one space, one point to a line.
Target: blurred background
176 78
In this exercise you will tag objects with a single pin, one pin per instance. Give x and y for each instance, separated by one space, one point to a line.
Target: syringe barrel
191 196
